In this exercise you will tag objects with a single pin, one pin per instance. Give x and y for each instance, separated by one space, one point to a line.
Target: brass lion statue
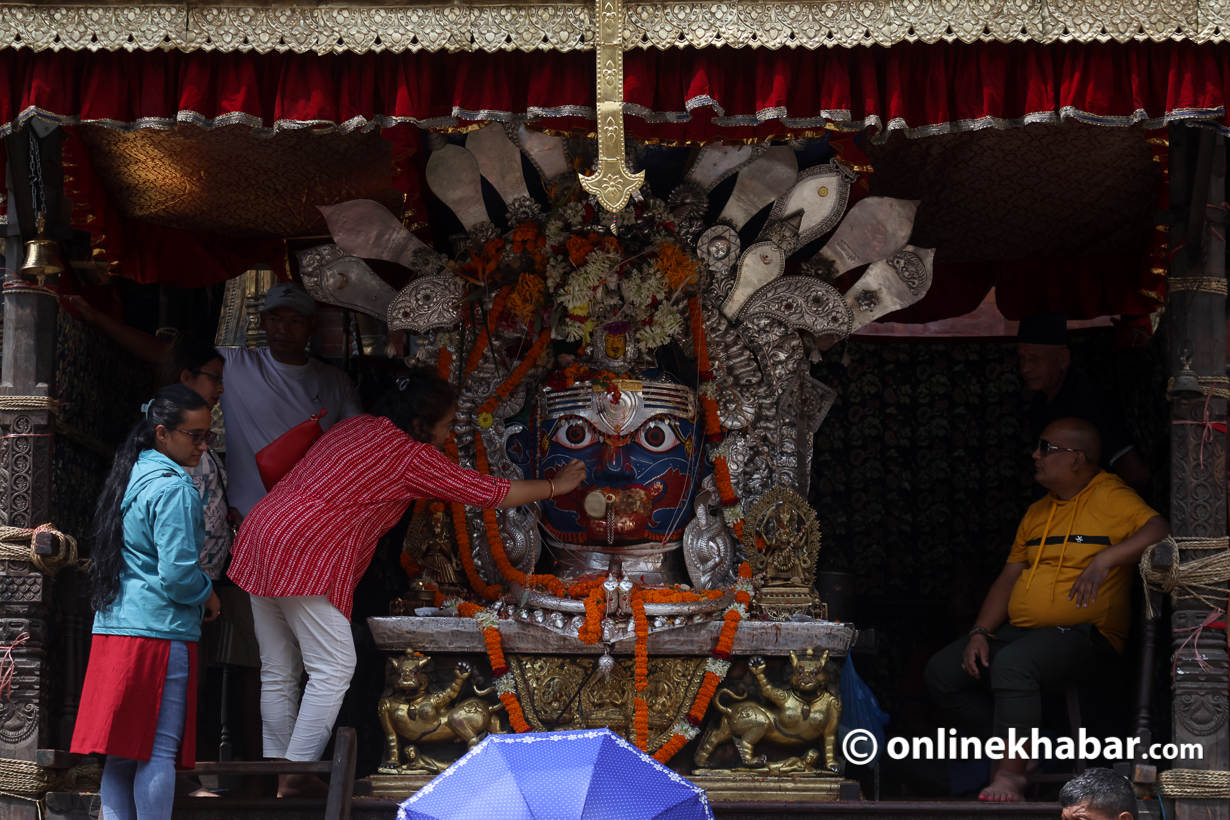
414 713
798 716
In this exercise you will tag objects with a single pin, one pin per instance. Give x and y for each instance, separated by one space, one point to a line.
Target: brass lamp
42 256
1185 385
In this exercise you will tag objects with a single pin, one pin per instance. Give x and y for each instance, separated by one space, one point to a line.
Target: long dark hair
190 355
107 541
418 403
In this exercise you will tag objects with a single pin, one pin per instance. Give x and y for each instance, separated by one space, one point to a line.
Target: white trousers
296 633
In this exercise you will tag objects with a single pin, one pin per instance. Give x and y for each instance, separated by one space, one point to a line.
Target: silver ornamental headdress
638 402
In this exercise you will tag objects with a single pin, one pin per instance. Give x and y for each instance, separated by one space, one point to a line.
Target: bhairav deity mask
638 439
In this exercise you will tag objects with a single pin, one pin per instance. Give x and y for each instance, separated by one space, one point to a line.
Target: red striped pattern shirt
316 532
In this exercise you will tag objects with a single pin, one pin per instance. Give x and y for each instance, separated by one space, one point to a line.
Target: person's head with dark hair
175 423
422 404
1042 351
1098 794
198 366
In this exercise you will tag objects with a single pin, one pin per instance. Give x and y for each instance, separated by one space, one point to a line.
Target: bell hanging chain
38 197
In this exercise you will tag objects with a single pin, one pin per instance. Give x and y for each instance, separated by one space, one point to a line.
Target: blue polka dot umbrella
590 774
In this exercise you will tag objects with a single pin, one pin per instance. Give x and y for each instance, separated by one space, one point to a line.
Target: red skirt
123 694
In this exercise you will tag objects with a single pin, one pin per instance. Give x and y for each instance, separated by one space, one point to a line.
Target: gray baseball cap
291 295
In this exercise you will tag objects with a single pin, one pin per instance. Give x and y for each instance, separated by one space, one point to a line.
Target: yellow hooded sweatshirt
1106 512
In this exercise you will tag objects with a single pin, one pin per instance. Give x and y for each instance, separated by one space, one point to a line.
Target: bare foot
1007 786
202 792
301 785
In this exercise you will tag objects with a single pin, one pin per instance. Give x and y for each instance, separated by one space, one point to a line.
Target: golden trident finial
612 183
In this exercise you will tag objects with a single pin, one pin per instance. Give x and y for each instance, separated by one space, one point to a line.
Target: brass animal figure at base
414 713
798 716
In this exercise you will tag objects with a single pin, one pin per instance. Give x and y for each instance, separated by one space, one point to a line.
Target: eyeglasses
213 376
207 438
1045 448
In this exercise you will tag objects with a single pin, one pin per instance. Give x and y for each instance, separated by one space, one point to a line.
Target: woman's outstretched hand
529 491
569 478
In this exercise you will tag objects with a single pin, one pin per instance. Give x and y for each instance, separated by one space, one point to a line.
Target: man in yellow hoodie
1060 608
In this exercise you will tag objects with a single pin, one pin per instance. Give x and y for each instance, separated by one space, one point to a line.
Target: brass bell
42 256
1186 386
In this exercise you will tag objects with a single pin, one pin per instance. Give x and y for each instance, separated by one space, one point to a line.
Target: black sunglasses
1045 448
208 437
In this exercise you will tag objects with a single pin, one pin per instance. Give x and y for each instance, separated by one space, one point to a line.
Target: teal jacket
162 588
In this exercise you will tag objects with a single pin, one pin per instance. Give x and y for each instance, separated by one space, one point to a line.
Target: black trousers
1024 664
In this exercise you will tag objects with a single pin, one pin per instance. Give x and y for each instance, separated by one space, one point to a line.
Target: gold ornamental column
611 183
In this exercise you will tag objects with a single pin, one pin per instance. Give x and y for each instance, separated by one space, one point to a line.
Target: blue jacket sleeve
177 511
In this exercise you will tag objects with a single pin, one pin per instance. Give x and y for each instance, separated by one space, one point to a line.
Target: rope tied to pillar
19 403
17 544
1200 284
1193 579
1194 784
26 780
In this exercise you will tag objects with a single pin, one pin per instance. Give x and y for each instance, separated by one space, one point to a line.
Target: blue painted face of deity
638 444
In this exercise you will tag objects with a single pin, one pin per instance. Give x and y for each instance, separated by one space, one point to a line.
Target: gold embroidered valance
570 26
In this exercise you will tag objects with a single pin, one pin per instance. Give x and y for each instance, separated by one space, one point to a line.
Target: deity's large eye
574 434
657 436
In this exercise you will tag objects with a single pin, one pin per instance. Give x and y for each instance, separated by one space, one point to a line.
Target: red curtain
676 95
693 95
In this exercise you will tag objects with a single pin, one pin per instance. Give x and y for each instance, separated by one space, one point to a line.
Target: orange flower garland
515 716
484 335
510 384
491 521
444 368
713 419
488 591
595 603
707 689
640 722
671 748
641 625
488 622
675 265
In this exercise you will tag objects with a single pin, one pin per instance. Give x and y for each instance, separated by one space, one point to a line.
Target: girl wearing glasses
198 366
138 705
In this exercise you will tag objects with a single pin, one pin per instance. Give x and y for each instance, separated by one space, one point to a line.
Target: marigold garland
713 419
595 604
641 626
640 722
515 716
707 689
675 265
490 520
510 384
670 748
488 591
482 341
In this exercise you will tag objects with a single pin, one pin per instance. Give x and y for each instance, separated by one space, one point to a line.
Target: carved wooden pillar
1198 463
27 370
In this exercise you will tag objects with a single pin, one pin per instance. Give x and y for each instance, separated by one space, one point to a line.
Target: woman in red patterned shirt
303 548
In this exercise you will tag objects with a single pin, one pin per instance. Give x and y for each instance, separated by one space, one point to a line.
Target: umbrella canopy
589 774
